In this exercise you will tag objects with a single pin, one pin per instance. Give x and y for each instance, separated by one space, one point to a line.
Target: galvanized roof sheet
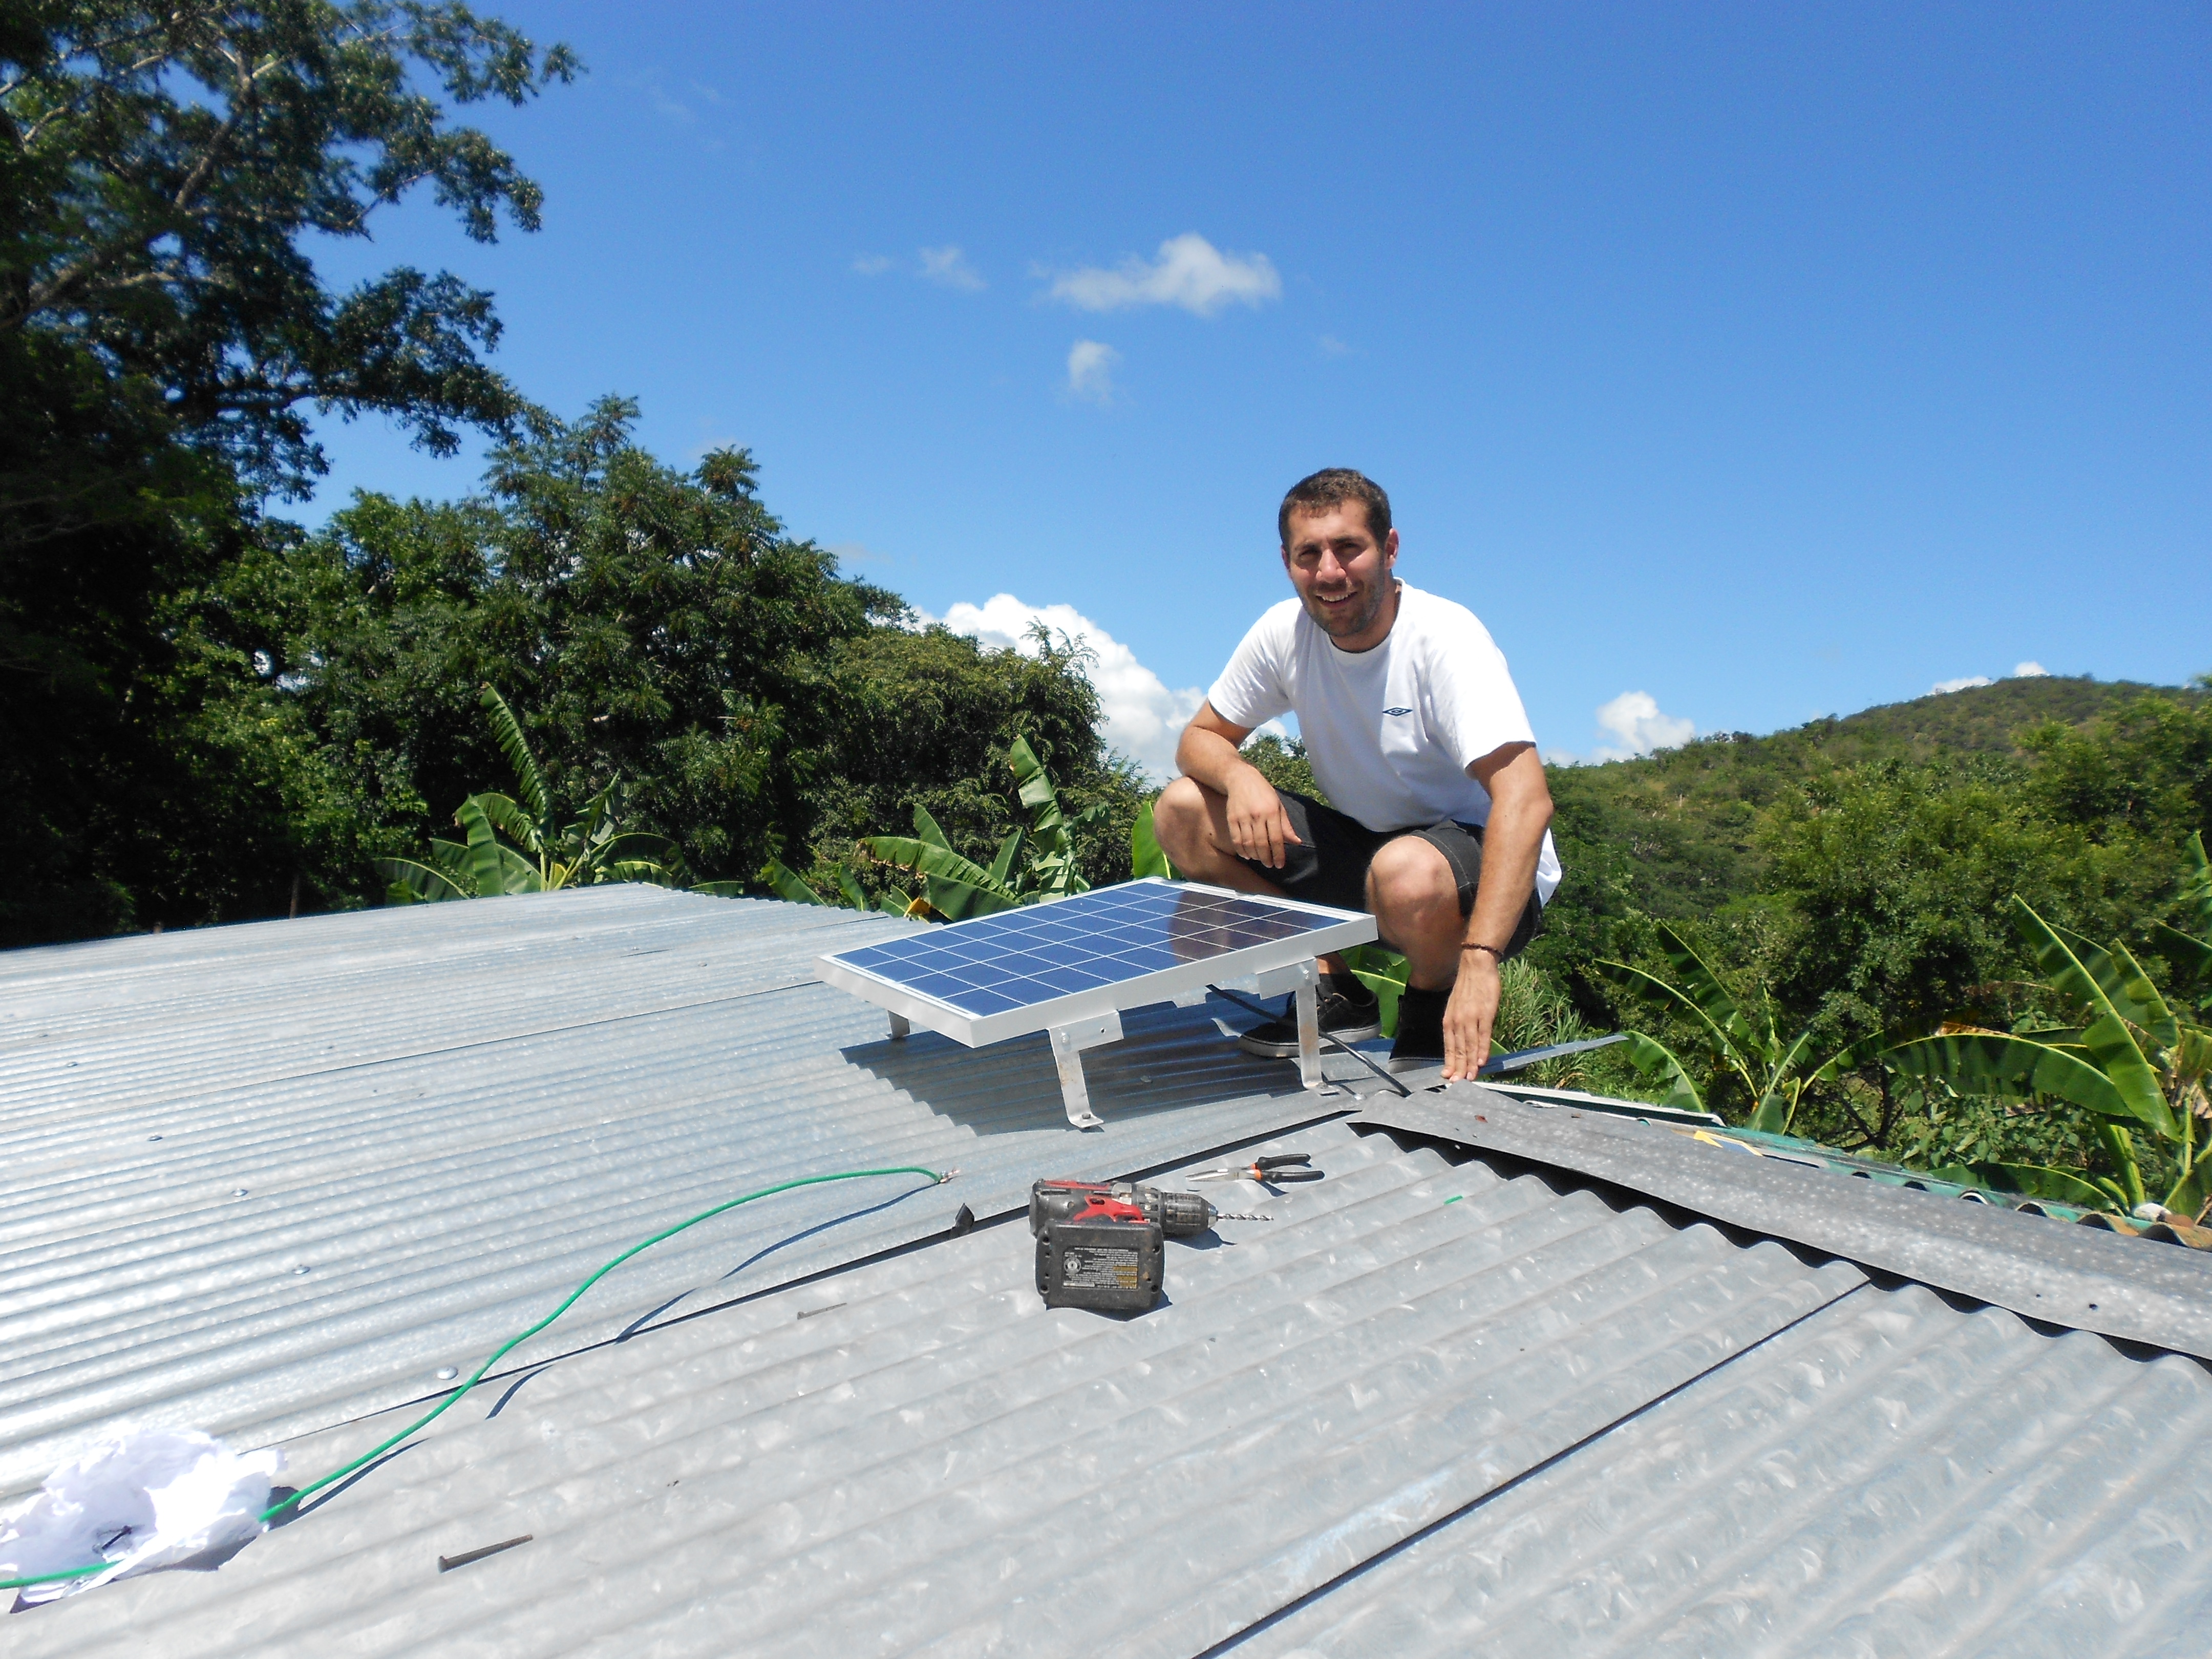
263 1179
1430 1407
2084 1278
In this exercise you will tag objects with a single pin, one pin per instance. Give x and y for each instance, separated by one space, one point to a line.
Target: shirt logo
1397 711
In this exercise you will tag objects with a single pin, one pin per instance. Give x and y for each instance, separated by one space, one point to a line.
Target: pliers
1276 1170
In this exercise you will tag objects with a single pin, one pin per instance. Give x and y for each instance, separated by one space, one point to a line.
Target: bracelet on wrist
1497 954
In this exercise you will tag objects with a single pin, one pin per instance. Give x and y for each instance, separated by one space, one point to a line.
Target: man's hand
1258 826
1469 1014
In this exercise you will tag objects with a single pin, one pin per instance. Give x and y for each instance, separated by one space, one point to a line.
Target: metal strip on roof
448 1115
2078 1277
916 1455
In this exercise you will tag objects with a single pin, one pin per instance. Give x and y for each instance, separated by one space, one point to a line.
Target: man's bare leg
1191 824
1415 898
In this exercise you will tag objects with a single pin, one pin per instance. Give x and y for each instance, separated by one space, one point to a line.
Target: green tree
163 339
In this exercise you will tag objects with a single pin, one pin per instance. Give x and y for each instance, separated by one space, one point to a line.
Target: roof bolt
241 1193
296 1272
153 1137
447 1373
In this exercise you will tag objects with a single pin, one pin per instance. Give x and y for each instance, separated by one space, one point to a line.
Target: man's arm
1512 841
1258 826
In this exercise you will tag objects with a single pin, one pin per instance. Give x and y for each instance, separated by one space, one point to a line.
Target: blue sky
1748 363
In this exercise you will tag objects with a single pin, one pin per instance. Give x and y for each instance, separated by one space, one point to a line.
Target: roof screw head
153 1137
296 1272
241 1193
447 1373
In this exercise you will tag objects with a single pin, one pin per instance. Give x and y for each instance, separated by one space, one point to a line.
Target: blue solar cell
1018 958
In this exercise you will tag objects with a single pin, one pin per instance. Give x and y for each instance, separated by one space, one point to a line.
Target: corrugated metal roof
1429 1407
1895 1476
2084 1278
448 1115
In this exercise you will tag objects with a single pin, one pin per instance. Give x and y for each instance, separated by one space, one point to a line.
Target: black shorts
1331 868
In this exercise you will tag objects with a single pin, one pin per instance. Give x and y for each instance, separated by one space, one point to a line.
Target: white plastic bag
148 1499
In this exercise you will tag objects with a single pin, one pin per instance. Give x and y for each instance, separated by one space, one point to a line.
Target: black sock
1422 1010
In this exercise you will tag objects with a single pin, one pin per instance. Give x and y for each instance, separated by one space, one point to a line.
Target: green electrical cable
507 1347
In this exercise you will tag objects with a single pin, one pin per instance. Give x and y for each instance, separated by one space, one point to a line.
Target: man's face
1342 573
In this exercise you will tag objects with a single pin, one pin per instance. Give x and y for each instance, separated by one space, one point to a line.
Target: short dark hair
1330 487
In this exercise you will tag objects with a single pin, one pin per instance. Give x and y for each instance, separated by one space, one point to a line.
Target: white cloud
1332 347
1091 371
2029 671
1966 682
1633 720
871 264
948 266
1190 272
1143 717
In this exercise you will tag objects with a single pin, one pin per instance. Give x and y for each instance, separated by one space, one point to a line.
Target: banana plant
1146 857
788 884
545 854
2128 1060
1031 866
1775 1071
2191 954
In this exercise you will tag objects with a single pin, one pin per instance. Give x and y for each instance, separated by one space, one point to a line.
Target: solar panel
1071 966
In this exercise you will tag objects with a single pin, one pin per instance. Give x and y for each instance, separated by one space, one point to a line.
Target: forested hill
1676 833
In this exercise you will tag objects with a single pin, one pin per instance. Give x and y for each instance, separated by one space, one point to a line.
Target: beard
1355 619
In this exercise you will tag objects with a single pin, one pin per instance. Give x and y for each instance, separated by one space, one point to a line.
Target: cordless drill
1099 1242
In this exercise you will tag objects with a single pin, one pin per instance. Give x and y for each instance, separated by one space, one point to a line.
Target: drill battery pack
1098 1245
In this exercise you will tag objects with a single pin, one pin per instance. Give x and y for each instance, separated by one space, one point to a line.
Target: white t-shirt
1391 732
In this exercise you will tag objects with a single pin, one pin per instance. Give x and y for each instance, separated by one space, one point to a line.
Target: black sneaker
1420 1042
1346 1017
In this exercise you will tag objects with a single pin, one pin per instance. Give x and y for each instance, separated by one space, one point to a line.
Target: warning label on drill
1103 1267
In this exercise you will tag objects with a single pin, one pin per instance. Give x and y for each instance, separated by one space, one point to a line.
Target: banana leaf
511 822
1655 1060
911 854
2110 1044
414 883
2014 1069
516 747
2196 881
1705 989
1636 982
493 869
849 885
784 884
2127 989
2191 957
725 888
1382 972
1145 858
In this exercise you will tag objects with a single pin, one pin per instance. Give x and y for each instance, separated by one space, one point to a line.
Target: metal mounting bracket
902 1028
1068 1043
1303 981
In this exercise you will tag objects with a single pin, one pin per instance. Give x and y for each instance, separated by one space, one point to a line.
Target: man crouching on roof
1441 826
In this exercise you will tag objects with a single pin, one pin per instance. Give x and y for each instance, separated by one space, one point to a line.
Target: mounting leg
1303 981
1068 1043
902 1028
1308 998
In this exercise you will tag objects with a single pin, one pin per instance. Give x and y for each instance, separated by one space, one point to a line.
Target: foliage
594 848
1032 864
163 332
1283 763
1743 1038
1145 856
2125 1058
165 166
